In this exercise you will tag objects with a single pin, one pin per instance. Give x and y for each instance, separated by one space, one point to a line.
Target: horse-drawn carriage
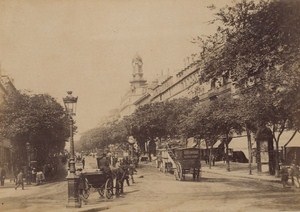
107 182
98 180
187 161
180 161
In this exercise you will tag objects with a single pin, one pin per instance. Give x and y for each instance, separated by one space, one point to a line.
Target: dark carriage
118 174
187 161
100 181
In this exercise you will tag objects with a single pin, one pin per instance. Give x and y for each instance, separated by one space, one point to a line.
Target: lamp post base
73 194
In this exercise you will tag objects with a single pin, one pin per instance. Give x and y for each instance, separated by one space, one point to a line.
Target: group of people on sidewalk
19 178
32 175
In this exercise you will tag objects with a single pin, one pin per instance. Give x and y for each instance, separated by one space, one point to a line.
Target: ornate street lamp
73 180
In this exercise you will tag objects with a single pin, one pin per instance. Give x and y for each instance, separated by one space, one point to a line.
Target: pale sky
52 46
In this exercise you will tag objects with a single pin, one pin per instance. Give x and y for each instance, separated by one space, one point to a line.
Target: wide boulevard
156 191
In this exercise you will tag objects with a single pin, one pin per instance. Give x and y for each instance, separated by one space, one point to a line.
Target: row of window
177 87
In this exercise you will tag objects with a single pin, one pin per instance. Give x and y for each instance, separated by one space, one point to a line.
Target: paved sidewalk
236 170
239 170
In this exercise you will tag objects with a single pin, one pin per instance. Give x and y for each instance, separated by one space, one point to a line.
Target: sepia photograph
149 105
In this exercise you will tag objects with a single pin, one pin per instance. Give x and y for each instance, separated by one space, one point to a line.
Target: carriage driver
104 164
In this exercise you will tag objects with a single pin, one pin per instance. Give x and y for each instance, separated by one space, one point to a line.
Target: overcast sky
87 46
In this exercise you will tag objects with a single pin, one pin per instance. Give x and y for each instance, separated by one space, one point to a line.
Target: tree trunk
277 168
258 160
209 158
249 150
272 157
227 153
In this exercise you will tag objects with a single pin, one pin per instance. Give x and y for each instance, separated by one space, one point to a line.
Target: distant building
6 88
180 85
185 83
138 88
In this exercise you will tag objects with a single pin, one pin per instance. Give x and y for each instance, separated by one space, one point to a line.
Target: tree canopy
148 122
35 118
257 46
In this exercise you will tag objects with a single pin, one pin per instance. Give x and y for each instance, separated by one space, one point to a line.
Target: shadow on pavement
214 180
95 209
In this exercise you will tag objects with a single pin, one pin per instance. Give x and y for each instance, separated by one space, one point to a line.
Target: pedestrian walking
83 163
2 174
20 180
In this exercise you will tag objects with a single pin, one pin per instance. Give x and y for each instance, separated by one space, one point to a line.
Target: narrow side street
156 191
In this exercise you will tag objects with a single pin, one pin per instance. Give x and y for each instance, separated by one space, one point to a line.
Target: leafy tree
38 119
257 46
175 111
100 137
159 120
149 122
276 111
258 39
215 120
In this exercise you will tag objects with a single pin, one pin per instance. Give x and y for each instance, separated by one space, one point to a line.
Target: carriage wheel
108 191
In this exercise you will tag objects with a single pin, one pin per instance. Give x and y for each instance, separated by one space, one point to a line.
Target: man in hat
104 164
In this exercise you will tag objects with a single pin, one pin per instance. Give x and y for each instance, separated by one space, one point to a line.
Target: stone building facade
184 83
